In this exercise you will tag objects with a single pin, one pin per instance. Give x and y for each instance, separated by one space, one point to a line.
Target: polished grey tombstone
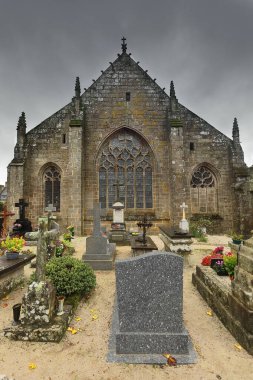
148 315
99 252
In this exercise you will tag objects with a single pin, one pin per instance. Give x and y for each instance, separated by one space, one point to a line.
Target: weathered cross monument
99 252
38 321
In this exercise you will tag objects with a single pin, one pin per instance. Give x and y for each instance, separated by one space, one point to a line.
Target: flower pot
60 305
16 313
214 261
11 255
237 241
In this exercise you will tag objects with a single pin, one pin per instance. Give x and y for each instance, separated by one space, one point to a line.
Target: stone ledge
53 332
217 293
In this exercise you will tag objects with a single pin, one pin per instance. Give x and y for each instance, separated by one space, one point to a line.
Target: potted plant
220 268
12 247
71 230
237 238
230 262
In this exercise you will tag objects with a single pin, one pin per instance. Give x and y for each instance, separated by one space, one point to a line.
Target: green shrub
70 275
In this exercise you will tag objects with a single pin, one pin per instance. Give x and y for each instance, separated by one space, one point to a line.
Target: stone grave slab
12 272
177 241
148 315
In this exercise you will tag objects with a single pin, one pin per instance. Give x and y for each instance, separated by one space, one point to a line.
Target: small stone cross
50 208
183 206
96 220
22 204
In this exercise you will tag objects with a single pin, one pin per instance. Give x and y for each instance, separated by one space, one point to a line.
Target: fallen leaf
4 305
94 317
72 330
5 298
78 319
238 346
210 313
32 366
171 361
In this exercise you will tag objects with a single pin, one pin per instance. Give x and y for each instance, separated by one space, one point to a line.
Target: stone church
125 134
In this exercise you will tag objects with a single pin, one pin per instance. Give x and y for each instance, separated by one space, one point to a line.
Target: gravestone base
138 248
100 261
176 242
148 348
120 237
52 332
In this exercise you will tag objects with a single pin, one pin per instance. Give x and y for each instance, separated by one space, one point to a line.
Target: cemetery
120 308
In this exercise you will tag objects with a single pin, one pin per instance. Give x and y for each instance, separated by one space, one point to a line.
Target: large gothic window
204 196
52 182
125 166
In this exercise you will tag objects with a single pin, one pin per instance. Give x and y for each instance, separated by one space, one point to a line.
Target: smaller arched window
204 192
52 186
202 177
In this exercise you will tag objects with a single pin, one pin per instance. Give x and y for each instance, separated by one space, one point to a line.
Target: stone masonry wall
72 144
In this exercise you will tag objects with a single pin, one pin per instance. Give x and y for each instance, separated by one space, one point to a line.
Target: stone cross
50 208
183 206
43 236
4 214
22 204
144 224
96 220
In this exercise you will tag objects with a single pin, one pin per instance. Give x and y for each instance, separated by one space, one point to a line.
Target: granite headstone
148 317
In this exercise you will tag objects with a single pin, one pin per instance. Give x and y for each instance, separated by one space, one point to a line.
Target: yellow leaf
32 366
78 319
94 317
210 313
72 330
238 347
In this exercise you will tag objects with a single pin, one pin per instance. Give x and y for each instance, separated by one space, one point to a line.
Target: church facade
125 135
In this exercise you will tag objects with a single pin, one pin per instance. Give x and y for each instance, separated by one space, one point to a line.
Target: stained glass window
52 181
125 162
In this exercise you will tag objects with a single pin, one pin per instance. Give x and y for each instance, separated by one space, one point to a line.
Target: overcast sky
205 46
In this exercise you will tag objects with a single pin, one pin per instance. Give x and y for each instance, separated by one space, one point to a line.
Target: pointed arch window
204 191
52 186
126 159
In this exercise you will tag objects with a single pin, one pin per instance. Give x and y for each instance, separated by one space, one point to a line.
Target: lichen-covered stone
38 305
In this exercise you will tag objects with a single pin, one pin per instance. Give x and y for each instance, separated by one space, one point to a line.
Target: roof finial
77 88
235 131
123 45
21 122
172 89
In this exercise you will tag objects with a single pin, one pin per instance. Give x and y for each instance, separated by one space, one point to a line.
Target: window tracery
126 159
